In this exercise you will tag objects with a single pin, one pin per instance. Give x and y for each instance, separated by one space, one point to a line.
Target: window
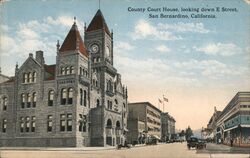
51 98
70 97
124 106
33 124
110 105
4 126
116 102
80 70
67 70
34 77
63 71
4 103
27 124
22 125
49 123
30 77
63 96
69 122
72 71
62 122
81 95
97 102
109 123
28 100
85 98
34 99
23 101
25 78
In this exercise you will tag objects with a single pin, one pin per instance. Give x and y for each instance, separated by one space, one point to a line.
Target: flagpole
163 104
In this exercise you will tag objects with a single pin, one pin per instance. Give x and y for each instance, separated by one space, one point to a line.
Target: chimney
39 57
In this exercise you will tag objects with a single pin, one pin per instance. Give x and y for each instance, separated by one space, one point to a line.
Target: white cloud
163 49
123 46
184 27
211 68
224 49
247 1
144 29
164 31
4 28
62 20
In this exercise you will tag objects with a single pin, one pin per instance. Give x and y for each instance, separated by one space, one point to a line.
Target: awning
157 137
245 126
231 128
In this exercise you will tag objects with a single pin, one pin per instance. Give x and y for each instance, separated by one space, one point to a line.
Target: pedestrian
231 141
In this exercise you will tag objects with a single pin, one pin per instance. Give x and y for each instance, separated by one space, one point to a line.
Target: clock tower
99 40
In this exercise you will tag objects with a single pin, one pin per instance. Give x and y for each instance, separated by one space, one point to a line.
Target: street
175 150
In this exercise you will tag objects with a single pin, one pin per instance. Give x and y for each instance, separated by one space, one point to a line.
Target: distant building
210 131
234 121
167 126
144 121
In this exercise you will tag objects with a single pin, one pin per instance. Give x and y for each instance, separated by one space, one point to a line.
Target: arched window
72 70
5 103
97 102
34 77
30 77
63 71
34 99
4 126
84 98
28 100
116 102
63 96
118 125
27 124
81 96
70 97
67 70
22 100
80 70
21 124
109 86
96 83
25 78
51 98
109 123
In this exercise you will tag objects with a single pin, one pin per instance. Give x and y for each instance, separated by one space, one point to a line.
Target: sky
196 63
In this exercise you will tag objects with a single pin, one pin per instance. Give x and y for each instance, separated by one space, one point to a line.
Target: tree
189 132
182 133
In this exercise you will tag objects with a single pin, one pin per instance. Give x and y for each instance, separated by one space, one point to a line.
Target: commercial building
167 126
78 101
144 121
234 121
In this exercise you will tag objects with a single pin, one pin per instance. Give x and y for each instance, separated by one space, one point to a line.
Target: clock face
94 48
107 51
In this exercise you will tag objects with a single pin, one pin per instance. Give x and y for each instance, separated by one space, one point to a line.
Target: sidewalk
59 148
220 148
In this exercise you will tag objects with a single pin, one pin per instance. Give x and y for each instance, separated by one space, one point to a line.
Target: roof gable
98 22
73 41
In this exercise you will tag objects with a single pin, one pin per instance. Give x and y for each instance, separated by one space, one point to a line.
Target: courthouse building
144 121
78 101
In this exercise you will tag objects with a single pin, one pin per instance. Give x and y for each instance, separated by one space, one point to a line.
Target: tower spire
99 4
74 20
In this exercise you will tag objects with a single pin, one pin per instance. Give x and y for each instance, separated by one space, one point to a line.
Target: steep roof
98 22
72 40
50 72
